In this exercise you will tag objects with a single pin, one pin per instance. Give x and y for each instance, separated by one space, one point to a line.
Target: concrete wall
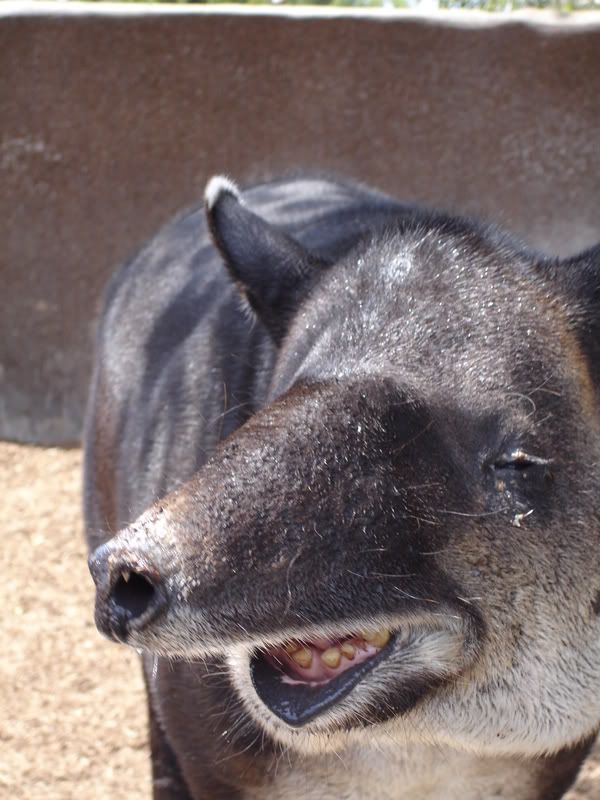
112 119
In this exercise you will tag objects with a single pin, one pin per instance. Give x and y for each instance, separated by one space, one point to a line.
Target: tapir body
342 459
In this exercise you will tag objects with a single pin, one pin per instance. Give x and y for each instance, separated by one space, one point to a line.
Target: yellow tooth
348 650
332 657
303 657
291 647
377 638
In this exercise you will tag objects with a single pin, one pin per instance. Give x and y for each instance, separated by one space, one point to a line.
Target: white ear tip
219 185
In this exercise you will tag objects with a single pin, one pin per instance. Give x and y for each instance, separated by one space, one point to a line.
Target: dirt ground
72 708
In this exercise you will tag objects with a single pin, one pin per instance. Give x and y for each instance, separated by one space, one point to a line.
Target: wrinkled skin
395 425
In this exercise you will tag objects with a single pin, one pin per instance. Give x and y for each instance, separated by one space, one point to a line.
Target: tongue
320 660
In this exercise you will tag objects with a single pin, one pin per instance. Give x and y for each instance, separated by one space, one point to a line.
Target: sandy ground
72 707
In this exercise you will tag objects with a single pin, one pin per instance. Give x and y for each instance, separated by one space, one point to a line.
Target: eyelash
520 460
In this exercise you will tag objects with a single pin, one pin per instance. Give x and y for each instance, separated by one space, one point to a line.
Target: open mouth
298 680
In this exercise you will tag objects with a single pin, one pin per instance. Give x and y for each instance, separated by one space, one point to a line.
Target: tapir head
406 534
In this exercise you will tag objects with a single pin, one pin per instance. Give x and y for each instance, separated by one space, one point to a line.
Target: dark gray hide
334 410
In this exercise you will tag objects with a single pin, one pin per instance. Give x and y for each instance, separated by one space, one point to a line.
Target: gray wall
110 122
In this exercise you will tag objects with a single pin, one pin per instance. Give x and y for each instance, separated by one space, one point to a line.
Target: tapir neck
423 773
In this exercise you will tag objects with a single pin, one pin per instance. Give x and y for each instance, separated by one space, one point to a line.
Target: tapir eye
519 460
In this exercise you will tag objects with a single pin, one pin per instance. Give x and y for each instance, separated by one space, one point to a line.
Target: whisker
474 514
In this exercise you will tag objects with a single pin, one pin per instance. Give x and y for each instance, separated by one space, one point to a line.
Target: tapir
342 459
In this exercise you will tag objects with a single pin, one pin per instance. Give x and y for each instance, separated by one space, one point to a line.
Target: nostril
130 591
134 594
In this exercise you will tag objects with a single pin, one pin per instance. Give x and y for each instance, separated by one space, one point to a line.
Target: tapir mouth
299 680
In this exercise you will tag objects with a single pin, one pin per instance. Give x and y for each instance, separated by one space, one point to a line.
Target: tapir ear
580 279
272 270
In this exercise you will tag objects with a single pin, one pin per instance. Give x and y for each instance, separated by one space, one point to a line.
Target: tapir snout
275 531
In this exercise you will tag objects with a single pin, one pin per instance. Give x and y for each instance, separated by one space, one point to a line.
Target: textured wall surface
112 120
